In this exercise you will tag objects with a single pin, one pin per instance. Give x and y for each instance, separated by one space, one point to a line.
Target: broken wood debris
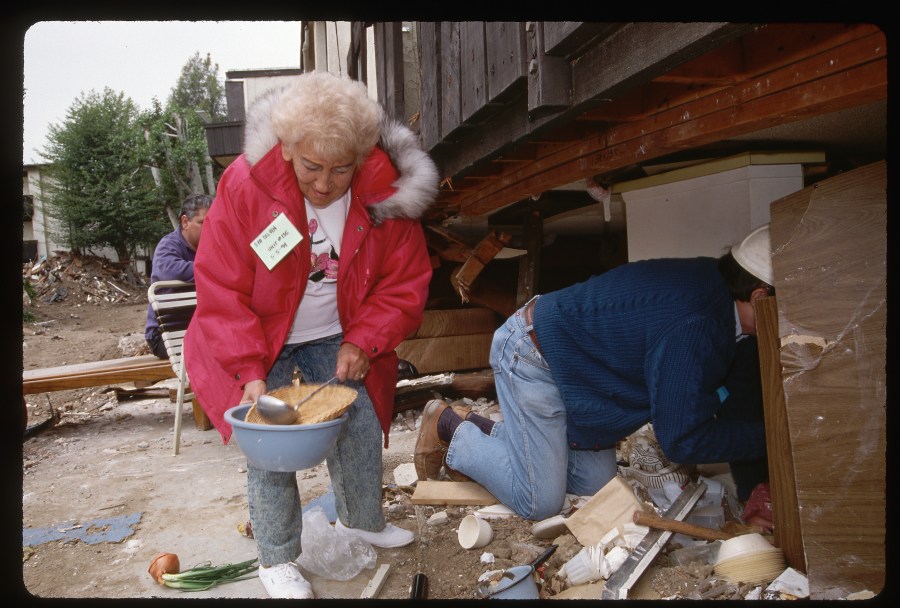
90 279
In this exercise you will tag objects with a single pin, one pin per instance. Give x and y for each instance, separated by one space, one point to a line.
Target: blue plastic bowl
285 448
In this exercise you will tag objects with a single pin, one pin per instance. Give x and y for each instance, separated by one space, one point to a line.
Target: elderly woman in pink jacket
324 167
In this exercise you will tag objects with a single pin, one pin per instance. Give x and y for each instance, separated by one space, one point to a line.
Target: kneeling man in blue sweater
577 370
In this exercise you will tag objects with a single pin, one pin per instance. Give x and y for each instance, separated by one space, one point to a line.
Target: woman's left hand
352 363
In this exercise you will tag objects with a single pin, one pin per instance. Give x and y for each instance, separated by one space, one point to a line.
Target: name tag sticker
276 241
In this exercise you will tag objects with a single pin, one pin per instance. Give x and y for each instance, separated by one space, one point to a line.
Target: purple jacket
172 260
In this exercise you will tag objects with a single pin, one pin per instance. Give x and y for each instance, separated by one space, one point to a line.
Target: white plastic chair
174 303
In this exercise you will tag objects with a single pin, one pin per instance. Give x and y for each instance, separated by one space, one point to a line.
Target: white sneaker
284 581
390 537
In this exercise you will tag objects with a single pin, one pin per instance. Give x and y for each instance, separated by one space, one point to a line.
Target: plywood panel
829 246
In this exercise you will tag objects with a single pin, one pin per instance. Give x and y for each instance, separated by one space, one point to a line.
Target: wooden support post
529 264
782 485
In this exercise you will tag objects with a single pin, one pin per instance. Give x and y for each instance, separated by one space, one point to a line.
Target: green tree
175 137
100 193
199 88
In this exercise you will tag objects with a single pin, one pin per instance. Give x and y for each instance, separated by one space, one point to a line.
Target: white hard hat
754 253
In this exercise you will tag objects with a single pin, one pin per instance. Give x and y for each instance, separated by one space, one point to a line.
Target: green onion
204 576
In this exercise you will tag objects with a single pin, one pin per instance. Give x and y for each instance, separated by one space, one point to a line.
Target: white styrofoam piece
613 560
792 582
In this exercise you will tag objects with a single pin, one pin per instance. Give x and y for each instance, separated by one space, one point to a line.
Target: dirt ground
102 492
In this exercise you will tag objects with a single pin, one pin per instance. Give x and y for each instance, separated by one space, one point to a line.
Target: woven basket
329 403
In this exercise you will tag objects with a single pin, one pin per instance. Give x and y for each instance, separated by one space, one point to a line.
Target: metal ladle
276 411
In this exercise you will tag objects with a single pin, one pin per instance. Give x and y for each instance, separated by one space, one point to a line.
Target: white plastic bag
329 554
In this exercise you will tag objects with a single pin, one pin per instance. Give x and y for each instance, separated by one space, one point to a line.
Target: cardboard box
612 507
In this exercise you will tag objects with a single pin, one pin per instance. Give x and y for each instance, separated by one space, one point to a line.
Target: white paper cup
581 568
474 532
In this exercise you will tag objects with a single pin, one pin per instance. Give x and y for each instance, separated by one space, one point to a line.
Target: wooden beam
549 77
529 265
96 373
851 74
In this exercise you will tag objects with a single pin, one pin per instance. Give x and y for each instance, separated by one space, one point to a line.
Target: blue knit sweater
649 341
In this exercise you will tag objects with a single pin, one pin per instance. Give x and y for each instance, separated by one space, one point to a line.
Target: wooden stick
374 587
661 523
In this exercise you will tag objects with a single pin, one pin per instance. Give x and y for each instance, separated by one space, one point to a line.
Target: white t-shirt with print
317 315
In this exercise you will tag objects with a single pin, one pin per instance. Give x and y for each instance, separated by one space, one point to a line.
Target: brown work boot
430 449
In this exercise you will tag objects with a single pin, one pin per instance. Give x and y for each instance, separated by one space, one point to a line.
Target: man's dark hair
194 203
739 280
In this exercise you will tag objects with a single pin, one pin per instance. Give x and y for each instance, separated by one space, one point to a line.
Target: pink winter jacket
244 310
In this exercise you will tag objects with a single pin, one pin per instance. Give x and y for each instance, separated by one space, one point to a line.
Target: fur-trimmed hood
416 188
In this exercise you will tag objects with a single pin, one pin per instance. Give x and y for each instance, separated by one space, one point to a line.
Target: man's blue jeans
525 462
354 464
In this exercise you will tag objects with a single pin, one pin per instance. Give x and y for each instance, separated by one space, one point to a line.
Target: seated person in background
173 259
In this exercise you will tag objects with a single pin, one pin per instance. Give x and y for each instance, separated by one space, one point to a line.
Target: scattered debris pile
83 279
620 528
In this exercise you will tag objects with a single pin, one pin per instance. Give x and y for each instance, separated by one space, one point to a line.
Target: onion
164 563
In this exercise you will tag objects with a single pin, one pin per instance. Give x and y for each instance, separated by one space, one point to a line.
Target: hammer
651 520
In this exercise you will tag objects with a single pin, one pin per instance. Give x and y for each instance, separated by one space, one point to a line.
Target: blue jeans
525 462
354 464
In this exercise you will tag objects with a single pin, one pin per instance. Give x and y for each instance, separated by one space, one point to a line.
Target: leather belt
528 317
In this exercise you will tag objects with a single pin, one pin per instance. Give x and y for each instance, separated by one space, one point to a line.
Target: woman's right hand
252 391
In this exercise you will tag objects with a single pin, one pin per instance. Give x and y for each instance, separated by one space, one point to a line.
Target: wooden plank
451 79
474 385
124 363
451 493
389 54
473 68
568 38
549 77
829 244
374 587
782 486
96 373
429 40
38 384
505 52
